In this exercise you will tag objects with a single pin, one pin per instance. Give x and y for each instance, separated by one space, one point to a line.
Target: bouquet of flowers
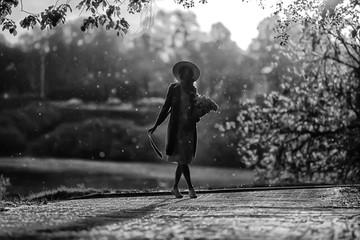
203 105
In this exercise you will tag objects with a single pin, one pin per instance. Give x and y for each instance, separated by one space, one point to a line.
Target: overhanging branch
315 134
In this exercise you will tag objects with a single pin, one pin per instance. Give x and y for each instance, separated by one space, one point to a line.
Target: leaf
353 33
68 7
333 152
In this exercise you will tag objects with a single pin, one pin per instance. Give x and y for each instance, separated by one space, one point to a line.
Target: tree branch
345 44
300 146
339 61
354 46
318 133
22 8
357 113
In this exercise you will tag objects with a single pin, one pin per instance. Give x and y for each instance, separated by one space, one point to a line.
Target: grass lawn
32 175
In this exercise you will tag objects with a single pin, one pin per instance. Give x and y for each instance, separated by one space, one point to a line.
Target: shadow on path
109 218
91 222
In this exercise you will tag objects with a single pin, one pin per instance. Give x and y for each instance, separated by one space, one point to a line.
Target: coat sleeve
166 108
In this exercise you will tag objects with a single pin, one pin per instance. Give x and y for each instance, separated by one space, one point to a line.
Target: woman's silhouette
181 134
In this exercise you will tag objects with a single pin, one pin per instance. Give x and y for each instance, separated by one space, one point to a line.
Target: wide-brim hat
191 65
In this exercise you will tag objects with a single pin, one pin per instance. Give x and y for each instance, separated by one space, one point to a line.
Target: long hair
192 91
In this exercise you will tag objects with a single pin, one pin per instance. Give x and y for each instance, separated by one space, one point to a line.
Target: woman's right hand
152 129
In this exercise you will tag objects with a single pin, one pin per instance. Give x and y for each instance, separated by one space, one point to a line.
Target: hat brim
191 65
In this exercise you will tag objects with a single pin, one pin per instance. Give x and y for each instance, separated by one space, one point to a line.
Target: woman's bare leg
175 189
178 174
186 172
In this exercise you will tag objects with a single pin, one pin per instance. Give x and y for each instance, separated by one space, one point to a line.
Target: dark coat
171 106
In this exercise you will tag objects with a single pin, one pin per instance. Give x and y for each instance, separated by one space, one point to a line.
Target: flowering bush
309 132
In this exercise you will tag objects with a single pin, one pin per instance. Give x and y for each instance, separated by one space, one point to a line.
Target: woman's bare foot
176 192
192 193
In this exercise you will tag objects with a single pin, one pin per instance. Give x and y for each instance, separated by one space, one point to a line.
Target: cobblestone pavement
320 213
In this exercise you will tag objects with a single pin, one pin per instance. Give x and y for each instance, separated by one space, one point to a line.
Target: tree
269 64
12 65
223 72
106 13
109 13
309 131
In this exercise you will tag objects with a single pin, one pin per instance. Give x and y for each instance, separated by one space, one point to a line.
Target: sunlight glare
240 18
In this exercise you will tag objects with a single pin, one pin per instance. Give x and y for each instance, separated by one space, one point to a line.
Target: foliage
4 183
312 13
214 148
12 139
5 10
14 66
83 131
96 138
226 69
309 131
269 65
108 14
17 126
32 119
96 66
120 25
188 3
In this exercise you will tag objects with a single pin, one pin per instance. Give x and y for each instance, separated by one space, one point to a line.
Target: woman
182 134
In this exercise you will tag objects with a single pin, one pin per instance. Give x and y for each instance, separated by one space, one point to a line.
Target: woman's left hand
152 130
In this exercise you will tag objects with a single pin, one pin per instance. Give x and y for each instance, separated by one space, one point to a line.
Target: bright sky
240 18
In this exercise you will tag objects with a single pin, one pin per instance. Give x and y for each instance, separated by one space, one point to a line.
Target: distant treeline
96 66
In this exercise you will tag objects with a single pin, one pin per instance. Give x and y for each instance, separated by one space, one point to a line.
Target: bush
97 138
19 126
34 118
12 139
4 183
216 147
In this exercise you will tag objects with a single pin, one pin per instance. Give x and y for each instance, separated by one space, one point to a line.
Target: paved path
320 213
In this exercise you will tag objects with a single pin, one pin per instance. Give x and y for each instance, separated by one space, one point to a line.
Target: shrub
34 118
96 138
12 139
216 147
4 183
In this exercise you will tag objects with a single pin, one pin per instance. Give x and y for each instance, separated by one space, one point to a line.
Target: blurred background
75 106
